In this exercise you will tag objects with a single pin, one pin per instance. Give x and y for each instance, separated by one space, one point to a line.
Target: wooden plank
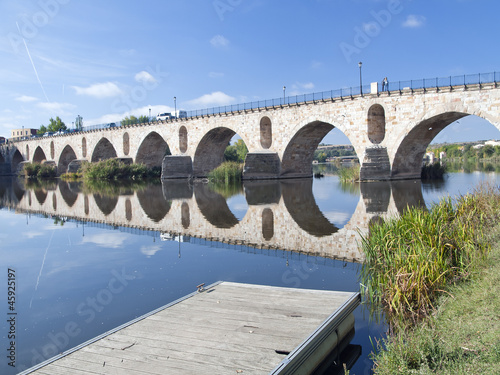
229 327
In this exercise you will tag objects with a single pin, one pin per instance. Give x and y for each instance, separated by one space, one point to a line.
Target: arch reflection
213 207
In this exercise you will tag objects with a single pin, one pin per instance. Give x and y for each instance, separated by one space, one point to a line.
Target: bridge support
177 166
375 164
261 166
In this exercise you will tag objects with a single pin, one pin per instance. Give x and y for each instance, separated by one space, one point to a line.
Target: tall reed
411 259
227 172
349 174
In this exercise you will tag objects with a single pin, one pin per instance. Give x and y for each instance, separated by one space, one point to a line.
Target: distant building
442 155
18 134
492 143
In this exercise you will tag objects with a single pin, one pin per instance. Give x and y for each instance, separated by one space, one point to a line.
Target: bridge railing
346 92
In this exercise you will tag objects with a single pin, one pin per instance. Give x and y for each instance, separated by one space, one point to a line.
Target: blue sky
105 60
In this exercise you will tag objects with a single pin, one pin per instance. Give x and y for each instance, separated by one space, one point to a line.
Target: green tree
56 125
143 119
42 130
321 157
130 120
241 150
489 150
230 154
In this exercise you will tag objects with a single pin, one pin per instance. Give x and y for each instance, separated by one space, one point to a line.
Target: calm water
87 262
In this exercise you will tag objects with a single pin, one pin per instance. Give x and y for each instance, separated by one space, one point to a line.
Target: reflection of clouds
150 250
112 241
239 206
31 235
337 217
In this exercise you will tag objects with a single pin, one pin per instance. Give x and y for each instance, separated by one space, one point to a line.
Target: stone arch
185 215
2 159
105 203
17 158
183 139
126 144
407 162
266 132
66 157
68 195
39 155
27 152
40 195
52 150
213 207
376 124
103 150
210 151
299 153
84 147
267 224
152 202
152 150
128 210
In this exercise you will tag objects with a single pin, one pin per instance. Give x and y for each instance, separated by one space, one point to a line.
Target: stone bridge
281 214
389 131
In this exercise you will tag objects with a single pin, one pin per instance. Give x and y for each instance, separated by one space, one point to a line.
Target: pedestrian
385 84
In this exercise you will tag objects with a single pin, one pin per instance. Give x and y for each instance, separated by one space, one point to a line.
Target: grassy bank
113 170
227 172
349 174
37 170
436 275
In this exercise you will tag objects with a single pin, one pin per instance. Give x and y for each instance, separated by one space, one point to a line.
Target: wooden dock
228 328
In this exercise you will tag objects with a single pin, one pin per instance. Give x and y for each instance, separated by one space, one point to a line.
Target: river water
84 262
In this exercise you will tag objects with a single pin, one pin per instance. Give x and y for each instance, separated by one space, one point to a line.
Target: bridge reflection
281 214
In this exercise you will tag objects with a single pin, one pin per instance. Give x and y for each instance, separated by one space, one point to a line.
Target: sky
104 60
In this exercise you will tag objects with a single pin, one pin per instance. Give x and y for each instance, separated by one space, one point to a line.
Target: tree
143 119
241 150
53 127
130 120
56 125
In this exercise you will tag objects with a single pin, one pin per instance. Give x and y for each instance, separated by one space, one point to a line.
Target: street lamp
360 79
284 90
175 106
149 119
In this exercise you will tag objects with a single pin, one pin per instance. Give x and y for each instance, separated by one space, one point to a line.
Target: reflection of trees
226 190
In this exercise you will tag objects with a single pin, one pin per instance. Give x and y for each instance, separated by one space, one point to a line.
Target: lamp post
149 119
360 79
175 106
284 91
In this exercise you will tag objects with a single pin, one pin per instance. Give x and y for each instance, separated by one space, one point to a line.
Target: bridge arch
39 155
210 150
376 124
152 150
409 155
66 157
299 153
17 158
183 139
266 132
103 150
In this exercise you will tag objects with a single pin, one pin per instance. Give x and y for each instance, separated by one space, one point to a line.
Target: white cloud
112 241
99 90
140 111
316 64
219 41
150 250
26 99
299 88
414 21
210 100
144 77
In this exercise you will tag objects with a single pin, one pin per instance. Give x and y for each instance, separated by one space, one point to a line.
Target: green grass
461 337
115 170
349 174
227 172
37 170
410 260
436 277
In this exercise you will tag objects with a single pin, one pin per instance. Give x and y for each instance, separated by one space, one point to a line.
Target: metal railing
343 93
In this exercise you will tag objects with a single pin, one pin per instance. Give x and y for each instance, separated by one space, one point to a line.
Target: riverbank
461 335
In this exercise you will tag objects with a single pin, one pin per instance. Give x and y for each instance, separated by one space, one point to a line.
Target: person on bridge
385 84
